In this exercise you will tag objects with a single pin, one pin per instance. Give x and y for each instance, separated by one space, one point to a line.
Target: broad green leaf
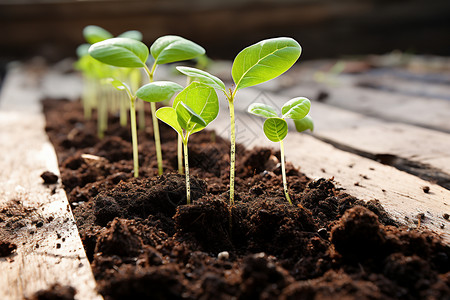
264 61
83 50
94 34
169 116
202 99
275 129
296 108
172 48
188 118
304 124
132 34
203 77
262 110
158 91
120 52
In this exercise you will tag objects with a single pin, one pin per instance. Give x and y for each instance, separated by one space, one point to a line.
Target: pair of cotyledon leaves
276 128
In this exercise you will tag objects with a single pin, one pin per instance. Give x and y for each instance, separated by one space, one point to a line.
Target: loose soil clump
145 243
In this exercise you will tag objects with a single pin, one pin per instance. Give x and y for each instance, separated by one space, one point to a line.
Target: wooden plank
400 193
344 91
49 249
419 151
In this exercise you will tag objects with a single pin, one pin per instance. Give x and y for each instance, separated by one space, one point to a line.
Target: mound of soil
144 242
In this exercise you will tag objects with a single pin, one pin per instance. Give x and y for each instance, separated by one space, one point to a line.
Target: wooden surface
49 249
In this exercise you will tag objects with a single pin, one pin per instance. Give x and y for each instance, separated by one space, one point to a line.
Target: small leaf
94 34
304 124
202 99
169 116
296 108
203 77
83 50
172 48
188 118
119 85
132 34
120 52
264 61
275 129
158 91
262 110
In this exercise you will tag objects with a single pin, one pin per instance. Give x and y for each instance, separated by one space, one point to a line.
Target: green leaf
94 34
304 124
158 91
169 116
262 110
172 48
83 50
275 129
132 34
120 52
203 77
264 61
202 99
118 85
296 108
188 118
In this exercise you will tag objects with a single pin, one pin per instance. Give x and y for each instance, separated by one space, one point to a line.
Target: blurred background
325 28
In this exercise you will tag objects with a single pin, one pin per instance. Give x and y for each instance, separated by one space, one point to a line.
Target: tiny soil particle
144 242
58 245
55 292
49 177
7 248
426 189
446 216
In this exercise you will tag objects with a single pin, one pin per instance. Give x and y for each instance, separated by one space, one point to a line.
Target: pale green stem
155 123
134 136
233 150
180 155
283 173
186 167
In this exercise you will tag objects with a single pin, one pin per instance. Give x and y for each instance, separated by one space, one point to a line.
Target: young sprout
255 64
276 128
125 52
193 109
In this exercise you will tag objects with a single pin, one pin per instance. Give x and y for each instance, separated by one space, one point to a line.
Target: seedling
192 110
276 128
125 52
255 64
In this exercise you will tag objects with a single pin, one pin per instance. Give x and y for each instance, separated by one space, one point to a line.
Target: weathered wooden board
400 193
347 92
49 249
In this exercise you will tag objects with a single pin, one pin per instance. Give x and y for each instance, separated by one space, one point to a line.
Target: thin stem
283 172
180 155
186 167
157 138
134 135
233 149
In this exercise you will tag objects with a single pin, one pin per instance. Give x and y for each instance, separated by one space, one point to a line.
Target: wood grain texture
49 249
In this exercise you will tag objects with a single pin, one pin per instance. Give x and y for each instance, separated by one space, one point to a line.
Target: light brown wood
400 193
47 254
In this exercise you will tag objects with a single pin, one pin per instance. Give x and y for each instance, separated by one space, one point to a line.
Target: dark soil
145 243
7 248
55 292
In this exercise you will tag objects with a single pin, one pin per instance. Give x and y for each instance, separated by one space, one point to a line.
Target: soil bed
145 243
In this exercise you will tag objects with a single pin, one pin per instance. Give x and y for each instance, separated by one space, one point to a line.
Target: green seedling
255 64
129 53
192 110
276 128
